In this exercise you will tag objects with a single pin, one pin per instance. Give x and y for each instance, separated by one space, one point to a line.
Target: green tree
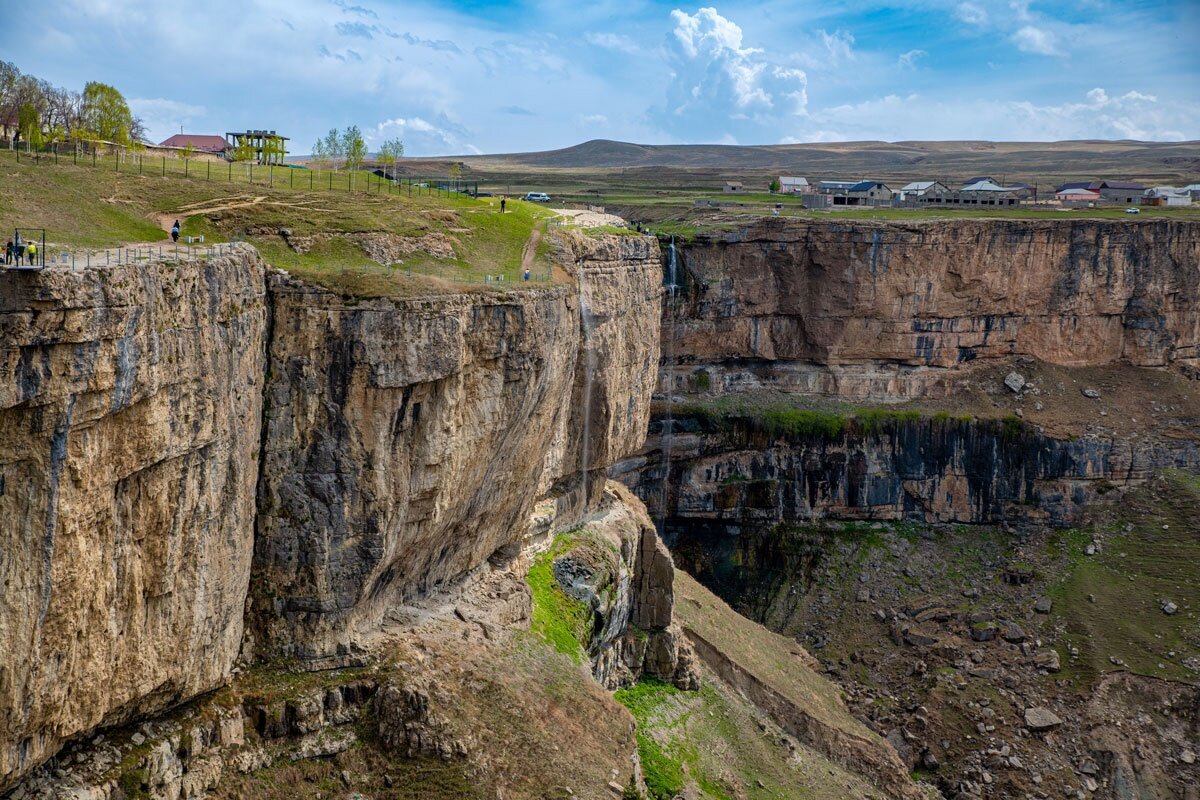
187 151
775 185
319 156
354 150
106 115
243 152
29 124
456 170
390 152
333 145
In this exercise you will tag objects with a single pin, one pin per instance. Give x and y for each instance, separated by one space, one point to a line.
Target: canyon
253 522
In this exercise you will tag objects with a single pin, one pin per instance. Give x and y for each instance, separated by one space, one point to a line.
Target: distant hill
1012 161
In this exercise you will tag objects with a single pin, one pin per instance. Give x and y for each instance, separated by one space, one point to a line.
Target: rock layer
886 310
407 440
129 429
923 469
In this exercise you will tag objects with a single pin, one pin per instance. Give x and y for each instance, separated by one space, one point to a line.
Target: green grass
83 207
1149 552
662 769
561 621
613 230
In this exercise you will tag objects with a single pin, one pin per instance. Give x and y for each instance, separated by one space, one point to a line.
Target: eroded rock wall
930 470
130 402
407 440
886 310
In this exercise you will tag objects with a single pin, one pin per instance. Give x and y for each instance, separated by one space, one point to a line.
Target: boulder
1038 718
1043 605
1015 381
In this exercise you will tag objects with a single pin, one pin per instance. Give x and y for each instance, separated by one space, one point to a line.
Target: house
980 179
1166 196
834 187
794 185
1091 186
734 187
1193 189
917 189
1077 195
1121 191
201 143
868 193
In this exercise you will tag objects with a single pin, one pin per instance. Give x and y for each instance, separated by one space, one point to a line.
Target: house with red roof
201 143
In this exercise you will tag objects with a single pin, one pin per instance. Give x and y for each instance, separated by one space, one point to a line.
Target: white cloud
720 89
971 14
593 119
909 59
612 41
1098 115
839 44
422 136
1032 39
163 117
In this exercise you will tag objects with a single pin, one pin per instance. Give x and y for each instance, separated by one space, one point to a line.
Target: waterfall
589 368
668 380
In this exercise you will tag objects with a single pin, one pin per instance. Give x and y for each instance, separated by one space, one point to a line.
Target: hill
1154 162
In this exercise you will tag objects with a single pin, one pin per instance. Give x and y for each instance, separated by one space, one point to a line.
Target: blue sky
483 76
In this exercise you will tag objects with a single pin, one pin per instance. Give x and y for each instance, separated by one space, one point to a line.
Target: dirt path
529 253
167 219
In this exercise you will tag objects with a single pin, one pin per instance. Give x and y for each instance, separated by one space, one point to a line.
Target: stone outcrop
406 441
886 310
129 427
166 430
619 568
925 469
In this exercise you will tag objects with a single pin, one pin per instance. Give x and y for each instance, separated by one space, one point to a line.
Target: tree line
350 147
35 111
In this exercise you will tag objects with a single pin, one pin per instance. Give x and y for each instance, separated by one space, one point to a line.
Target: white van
537 197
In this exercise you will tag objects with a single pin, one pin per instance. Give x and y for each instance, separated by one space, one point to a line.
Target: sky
479 76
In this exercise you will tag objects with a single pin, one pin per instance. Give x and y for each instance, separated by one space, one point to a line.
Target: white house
1166 196
920 189
794 185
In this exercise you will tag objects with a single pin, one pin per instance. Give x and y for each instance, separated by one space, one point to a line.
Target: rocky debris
1012 633
1169 608
1038 718
1092 393
1047 660
380 246
1015 381
1043 605
984 631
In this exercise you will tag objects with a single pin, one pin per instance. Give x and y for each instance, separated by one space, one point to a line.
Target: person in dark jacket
175 231
8 252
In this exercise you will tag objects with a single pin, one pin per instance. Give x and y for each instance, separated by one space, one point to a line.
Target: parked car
537 197
1133 211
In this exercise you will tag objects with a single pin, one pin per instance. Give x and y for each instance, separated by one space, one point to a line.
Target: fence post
209 171
185 167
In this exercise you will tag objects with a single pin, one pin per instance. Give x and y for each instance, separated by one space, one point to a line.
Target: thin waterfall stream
589 369
668 380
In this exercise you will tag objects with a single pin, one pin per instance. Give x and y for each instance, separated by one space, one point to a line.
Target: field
450 240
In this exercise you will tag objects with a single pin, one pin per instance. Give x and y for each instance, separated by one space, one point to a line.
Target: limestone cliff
885 310
406 441
907 467
129 427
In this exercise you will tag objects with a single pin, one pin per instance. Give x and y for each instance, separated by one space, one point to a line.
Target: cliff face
168 430
406 441
129 430
884 310
928 470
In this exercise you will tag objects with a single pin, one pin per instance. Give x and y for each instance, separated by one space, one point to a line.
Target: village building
1166 196
916 189
865 193
734 187
201 143
268 147
835 187
788 185
1077 196
1121 191
1193 189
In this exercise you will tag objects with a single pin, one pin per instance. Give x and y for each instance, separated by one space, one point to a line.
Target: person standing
175 231
8 252
31 252
19 249
503 200
527 273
